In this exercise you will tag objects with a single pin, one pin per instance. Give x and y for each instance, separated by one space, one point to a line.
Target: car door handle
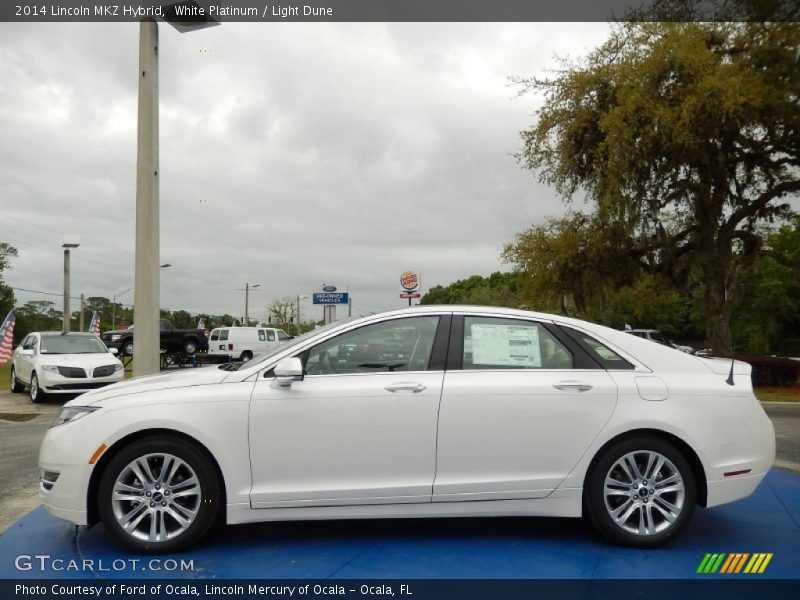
572 386
406 386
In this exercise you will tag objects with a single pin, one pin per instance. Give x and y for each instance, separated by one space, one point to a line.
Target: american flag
6 337
94 326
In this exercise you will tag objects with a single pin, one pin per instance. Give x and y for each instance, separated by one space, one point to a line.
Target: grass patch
5 375
787 393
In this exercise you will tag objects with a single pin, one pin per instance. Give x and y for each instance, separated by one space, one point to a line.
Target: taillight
230 346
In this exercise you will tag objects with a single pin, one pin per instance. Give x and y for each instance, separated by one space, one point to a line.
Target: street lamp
114 308
70 241
247 287
298 311
146 277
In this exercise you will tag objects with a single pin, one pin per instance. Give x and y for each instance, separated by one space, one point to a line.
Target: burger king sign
409 281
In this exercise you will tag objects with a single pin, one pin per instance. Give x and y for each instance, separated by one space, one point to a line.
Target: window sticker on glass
505 345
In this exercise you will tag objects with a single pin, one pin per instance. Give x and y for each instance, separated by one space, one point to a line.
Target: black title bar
187 11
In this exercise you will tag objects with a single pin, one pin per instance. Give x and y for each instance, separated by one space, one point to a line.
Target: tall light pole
299 297
247 288
114 308
146 350
71 241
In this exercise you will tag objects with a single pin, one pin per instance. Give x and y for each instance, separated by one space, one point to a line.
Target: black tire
597 508
127 348
189 347
16 385
246 355
194 456
36 393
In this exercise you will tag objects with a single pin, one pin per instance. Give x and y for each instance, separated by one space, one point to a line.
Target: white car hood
164 381
86 361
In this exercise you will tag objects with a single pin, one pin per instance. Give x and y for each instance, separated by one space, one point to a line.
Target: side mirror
113 351
287 371
26 352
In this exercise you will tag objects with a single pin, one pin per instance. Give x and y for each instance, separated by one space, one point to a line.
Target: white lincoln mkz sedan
423 412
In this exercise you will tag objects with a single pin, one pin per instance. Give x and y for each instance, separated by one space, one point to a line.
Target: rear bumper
734 471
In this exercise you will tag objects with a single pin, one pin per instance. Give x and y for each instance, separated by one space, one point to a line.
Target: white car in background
654 335
432 411
51 362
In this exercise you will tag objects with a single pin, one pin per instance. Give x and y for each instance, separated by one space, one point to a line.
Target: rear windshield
214 335
223 334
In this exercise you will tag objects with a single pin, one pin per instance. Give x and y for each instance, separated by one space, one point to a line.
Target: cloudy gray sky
291 155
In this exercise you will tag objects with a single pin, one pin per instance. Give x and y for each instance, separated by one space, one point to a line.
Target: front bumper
64 456
735 470
54 383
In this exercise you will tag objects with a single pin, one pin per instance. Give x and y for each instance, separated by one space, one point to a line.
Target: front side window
389 346
497 343
282 335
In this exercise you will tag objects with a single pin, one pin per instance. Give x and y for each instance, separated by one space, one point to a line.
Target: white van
241 343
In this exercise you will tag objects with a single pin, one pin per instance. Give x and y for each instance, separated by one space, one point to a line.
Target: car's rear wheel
37 395
189 347
16 386
246 355
160 494
641 492
127 348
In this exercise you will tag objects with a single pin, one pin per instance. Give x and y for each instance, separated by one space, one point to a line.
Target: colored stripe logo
737 562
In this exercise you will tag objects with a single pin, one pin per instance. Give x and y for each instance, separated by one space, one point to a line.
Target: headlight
69 414
115 338
50 368
117 367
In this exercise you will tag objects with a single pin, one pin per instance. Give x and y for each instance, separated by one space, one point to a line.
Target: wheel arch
92 511
688 452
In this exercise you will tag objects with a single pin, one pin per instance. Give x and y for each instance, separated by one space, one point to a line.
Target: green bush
773 370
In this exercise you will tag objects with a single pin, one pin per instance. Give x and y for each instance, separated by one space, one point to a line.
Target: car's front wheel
37 395
641 492
16 386
159 494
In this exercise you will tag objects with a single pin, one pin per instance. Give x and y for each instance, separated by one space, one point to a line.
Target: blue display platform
490 548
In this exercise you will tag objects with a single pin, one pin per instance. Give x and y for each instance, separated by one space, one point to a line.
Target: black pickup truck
173 340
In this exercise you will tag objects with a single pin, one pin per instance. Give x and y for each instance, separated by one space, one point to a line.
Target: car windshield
66 344
261 357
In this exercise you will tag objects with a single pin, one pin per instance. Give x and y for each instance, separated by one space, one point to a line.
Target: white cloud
291 154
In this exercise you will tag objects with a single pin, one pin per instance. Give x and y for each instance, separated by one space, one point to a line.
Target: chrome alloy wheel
644 492
156 497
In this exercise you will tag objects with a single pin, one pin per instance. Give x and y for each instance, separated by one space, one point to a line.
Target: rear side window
261 335
223 334
497 343
604 355
270 335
